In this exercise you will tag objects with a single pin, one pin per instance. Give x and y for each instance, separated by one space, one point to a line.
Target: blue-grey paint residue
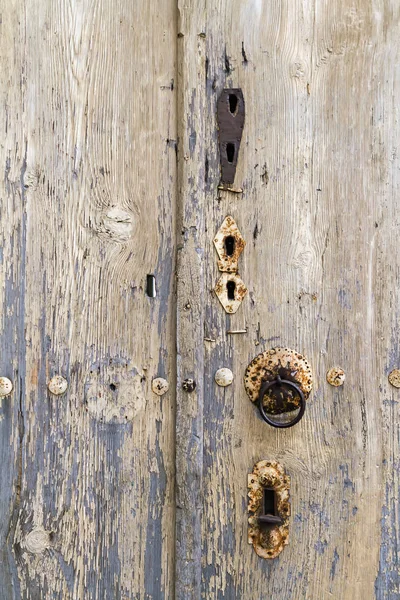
14 329
334 564
387 584
344 299
320 546
154 538
347 482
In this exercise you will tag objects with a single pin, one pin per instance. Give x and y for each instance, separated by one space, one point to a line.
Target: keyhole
230 152
230 287
230 245
233 102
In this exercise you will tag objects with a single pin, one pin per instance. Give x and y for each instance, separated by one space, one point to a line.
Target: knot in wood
37 541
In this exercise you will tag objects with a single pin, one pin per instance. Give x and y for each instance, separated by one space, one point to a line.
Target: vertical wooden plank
190 298
12 289
88 211
385 159
316 164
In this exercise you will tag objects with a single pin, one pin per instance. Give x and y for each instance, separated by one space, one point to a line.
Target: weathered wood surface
88 121
191 301
90 203
319 166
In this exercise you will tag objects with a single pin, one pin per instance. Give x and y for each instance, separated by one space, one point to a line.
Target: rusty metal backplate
268 540
229 231
288 365
239 290
230 116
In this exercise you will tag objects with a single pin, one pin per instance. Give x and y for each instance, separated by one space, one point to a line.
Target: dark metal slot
151 286
269 502
269 515
233 102
230 287
230 152
230 245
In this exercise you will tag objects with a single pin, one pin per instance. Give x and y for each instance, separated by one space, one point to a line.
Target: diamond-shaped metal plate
230 290
229 239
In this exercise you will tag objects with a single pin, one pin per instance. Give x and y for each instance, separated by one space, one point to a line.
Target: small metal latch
279 381
230 114
269 508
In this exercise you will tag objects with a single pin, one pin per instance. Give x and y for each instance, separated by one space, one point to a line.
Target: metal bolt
189 385
394 378
159 386
223 377
57 385
335 376
6 386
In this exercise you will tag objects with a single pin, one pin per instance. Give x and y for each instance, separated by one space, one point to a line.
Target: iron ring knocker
294 386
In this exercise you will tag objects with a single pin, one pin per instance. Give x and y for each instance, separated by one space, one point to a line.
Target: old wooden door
111 172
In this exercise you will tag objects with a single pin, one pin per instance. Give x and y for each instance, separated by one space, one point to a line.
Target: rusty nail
159 386
189 385
57 385
230 189
224 377
394 378
335 376
237 331
6 386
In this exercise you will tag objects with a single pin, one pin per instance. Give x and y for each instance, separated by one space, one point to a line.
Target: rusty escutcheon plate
274 365
269 508
230 115
229 244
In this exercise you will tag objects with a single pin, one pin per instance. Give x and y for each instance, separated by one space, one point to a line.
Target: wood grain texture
97 98
190 298
87 211
319 169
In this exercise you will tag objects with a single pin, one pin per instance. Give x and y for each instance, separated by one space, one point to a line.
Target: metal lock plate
230 115
229 244
283 379
269 508
230 290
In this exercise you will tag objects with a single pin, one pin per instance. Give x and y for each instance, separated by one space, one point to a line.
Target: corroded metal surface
394 378
223 377
230 115
189 385
160 386
57 385
231 305
268 539
6 386
335 376
269 366
229 231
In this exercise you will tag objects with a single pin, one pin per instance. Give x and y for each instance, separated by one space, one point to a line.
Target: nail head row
57 386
